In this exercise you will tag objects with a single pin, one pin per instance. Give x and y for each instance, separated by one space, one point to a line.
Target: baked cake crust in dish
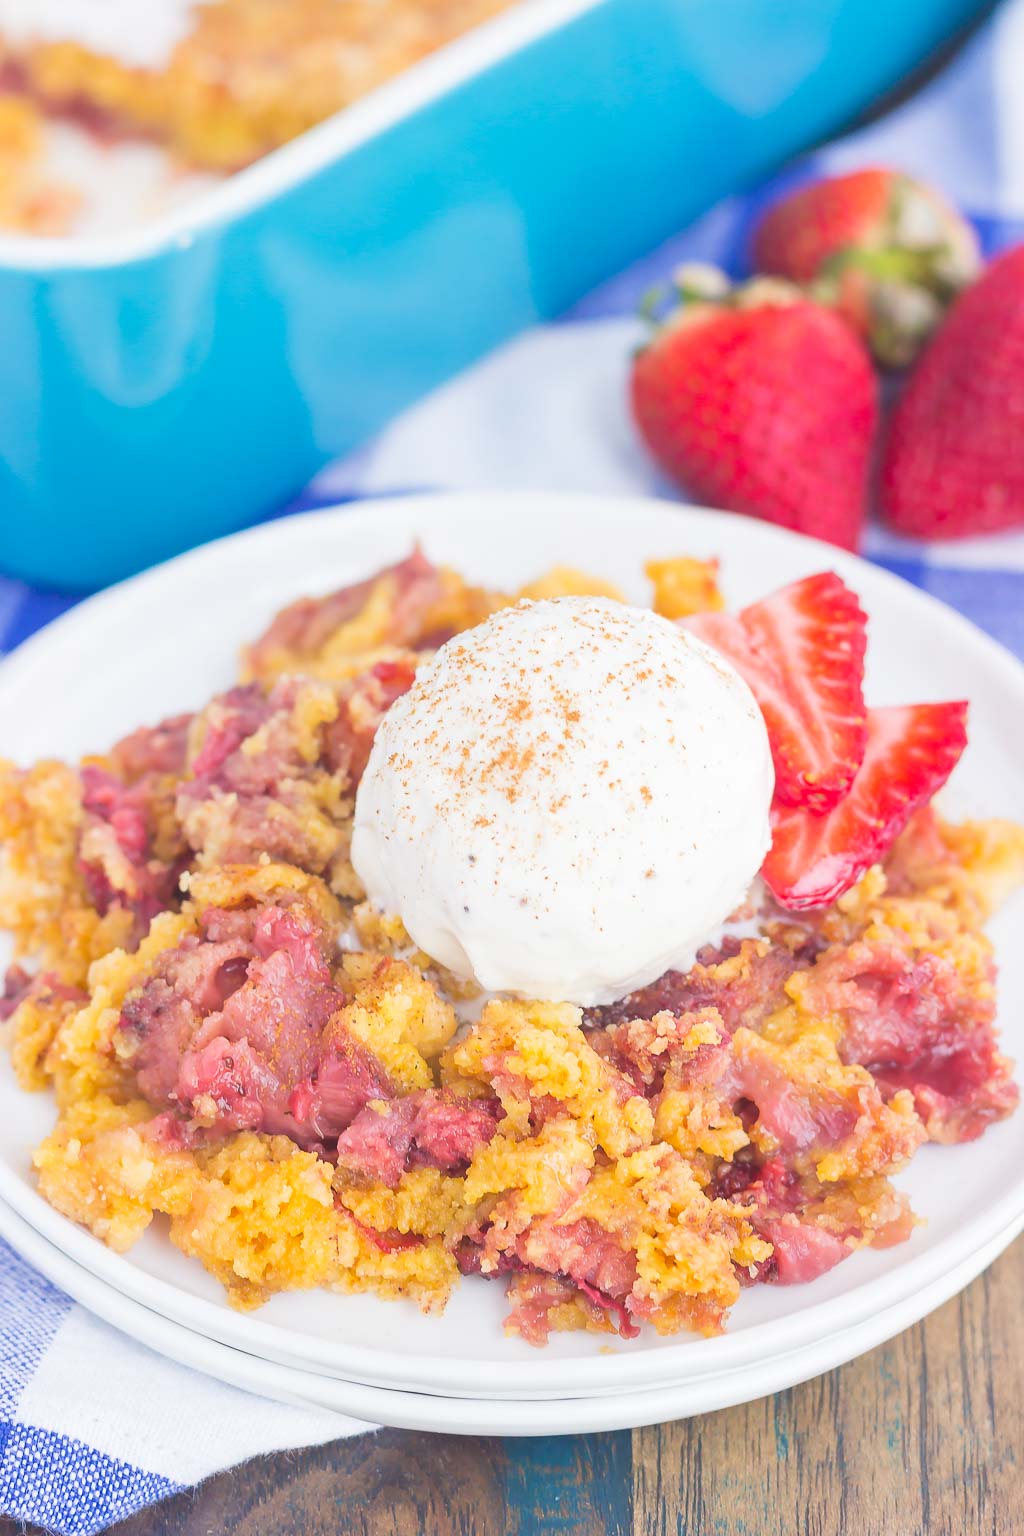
219 82
241 1046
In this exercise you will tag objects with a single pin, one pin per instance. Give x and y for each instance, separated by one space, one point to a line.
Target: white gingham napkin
93 1426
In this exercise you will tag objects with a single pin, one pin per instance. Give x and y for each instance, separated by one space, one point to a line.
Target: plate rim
522 1417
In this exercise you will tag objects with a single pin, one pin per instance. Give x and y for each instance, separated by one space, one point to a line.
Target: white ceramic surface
474 1416
164 641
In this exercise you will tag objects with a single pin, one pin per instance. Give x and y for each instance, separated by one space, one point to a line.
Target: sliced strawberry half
801 651
911 751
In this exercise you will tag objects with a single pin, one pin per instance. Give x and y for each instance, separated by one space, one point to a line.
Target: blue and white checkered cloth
93 1426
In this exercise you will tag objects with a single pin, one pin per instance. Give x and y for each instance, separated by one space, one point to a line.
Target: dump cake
215 83
246 1047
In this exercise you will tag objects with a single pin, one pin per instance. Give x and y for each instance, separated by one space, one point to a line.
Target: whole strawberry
762 402
954 459
888 251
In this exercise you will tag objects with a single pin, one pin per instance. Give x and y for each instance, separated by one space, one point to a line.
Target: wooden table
923 1437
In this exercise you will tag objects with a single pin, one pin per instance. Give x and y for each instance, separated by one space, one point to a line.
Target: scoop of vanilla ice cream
567 801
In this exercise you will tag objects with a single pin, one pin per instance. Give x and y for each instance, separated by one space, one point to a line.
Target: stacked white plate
166 641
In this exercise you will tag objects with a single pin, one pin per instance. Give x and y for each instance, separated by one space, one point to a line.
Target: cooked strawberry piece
801 1251
582 1251
262 783
918 1024
129 856
229 720
389 1241
448 1130
153 749
617 1310
801 1117
343 1082
232 1028
231 1086
952 1108
17 986
558 1261
742 995
469 1256
272 1027
645 1049
376 1144
534 1297
117 859
432 1129
535 1294
813 1227
911 751
105 796
362 706
301 630
801 652
158 1024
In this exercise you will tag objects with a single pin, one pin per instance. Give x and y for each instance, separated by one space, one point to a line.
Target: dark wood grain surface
923 1437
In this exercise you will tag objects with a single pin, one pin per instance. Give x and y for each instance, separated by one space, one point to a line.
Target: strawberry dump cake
215 83
735 956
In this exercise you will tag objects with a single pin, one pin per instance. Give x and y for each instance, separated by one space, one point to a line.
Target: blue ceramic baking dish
166 387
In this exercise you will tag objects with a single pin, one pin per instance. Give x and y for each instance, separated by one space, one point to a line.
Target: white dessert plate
476 1416
166 640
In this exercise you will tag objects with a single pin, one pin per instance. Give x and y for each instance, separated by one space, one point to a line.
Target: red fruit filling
301 630
918 1025
431 1129
116 848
